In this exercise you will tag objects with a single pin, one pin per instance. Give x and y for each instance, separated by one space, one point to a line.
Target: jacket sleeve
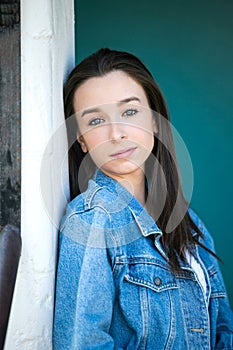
221 315
85 287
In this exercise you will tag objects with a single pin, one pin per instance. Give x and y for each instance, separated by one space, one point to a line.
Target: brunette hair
181 238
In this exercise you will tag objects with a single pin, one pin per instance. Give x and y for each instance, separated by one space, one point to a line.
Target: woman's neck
134 183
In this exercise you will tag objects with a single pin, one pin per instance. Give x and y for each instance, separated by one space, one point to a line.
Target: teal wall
188 47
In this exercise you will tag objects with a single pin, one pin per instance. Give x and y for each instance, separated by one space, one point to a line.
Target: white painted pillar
47 55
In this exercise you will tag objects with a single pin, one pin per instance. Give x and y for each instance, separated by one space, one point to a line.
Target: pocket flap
217 284
150 275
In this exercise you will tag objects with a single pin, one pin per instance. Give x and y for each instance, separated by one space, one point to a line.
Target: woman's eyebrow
129 99
96 109
90 110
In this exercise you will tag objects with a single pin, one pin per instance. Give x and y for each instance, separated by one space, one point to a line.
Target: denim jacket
115 289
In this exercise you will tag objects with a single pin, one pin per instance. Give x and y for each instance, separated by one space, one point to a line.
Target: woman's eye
96 121
130 112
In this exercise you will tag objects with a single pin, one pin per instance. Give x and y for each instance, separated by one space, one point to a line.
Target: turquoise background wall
188 47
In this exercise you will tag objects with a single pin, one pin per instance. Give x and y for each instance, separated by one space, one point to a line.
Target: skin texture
116 127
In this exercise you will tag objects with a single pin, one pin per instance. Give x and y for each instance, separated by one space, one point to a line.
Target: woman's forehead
113 87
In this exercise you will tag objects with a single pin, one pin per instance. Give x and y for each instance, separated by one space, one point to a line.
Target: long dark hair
182 238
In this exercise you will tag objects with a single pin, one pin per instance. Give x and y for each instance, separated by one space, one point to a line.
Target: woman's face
116 125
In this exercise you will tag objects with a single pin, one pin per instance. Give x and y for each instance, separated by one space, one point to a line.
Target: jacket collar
145 222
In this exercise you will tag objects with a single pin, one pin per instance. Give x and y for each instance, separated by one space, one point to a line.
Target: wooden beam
10 128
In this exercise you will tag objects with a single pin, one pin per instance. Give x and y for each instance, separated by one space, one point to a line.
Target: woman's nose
117 131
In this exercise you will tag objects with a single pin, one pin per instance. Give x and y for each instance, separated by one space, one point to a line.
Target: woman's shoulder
93 197
198 221
87 216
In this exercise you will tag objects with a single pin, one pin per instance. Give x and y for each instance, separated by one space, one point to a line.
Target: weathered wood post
10 125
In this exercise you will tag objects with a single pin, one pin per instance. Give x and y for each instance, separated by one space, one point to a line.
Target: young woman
136 267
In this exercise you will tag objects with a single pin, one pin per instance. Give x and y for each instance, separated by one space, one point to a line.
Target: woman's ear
82 143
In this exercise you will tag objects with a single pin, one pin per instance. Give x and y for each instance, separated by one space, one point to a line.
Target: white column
47 55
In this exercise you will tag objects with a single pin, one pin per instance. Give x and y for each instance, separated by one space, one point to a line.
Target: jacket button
157 281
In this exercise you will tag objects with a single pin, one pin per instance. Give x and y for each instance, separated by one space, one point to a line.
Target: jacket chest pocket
151 275
151 289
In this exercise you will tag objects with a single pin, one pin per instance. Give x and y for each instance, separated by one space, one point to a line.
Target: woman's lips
124 153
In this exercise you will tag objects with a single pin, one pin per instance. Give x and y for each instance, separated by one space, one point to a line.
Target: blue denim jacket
114 286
